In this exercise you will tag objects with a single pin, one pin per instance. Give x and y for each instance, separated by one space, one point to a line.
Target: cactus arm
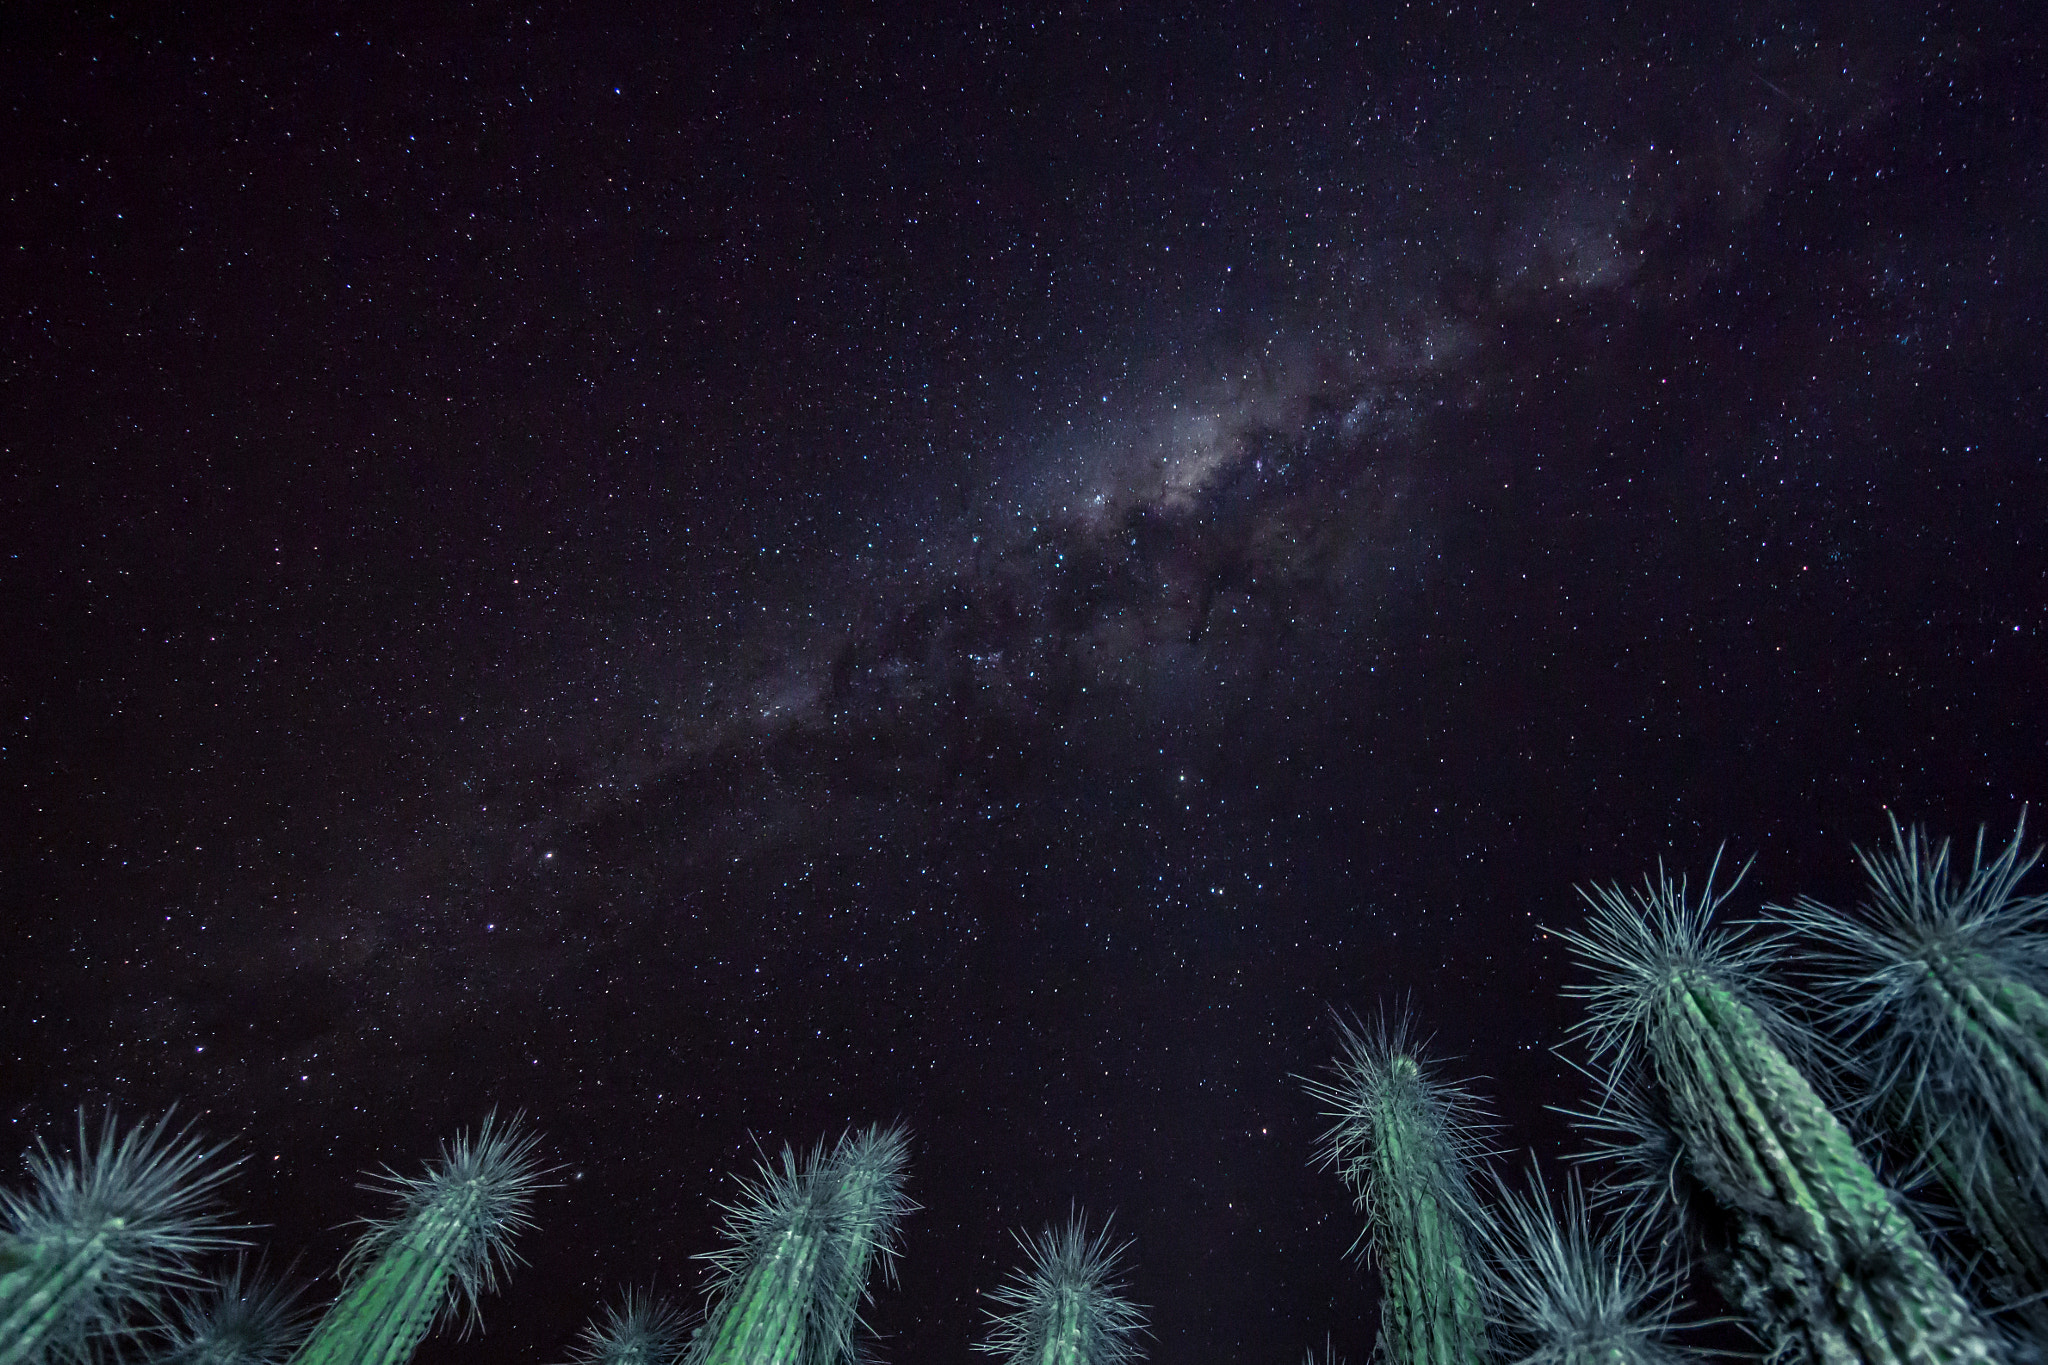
103 1231
36 1298
382 1317
1821 1252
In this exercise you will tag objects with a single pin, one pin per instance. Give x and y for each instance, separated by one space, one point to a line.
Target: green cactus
639 1330
103 1235
1567 1295
802 1238
243 1319
1406 1142
1066 1307
1823 1256
1940 986
438 1255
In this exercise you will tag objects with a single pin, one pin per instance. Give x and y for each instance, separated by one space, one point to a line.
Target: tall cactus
639 1330
1825 1258
438 1255
802 1238
1066 1306
1405 1141
1566 1294
1940 984
103 1234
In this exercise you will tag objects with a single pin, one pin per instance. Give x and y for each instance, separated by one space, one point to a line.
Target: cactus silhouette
1824 1257
802 1239
1406 1142
1066 1306
438 1255
104 1234
1939 986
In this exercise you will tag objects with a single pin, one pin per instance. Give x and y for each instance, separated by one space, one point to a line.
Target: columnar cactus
1940 984
802 1238
438 1255
1066 1306
1825 1258
1405 1141
102 1235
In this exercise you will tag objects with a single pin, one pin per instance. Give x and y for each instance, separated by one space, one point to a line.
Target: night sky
718 576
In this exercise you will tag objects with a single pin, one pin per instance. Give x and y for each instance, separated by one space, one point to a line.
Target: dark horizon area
710 580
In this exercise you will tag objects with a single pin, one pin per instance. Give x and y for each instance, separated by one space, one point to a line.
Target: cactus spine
1567 1295
1405 1142
1066 1307
1941 988
438 1255
802 1240
1825 1258
104 1233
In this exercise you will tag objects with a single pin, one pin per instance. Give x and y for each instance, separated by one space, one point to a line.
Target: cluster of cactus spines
1823 1254
103 1233
638 1330
243 1318
1406 1142
1940 986
1328 1355
801 1240
1566 1294
439 1254
1066 1305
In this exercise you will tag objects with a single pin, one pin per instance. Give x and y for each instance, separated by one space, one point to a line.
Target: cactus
243 1319
639 1330
802 1238
438 1255
1567 1295
1066 1307
1940 986
1823 1256
1406 1141
104 1234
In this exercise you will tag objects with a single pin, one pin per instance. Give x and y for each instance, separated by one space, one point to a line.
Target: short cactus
1066 1306
1566 1294
1940 986
639 1330
438 1255
242 1319
802 1239
103 1235
1406 1142
1824 1256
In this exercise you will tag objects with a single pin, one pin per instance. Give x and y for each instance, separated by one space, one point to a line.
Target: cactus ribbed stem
1821 1254
102 1233
787 1291
443 1250
1405 1142
1939 982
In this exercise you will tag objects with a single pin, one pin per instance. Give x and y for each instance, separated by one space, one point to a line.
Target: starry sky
713 577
